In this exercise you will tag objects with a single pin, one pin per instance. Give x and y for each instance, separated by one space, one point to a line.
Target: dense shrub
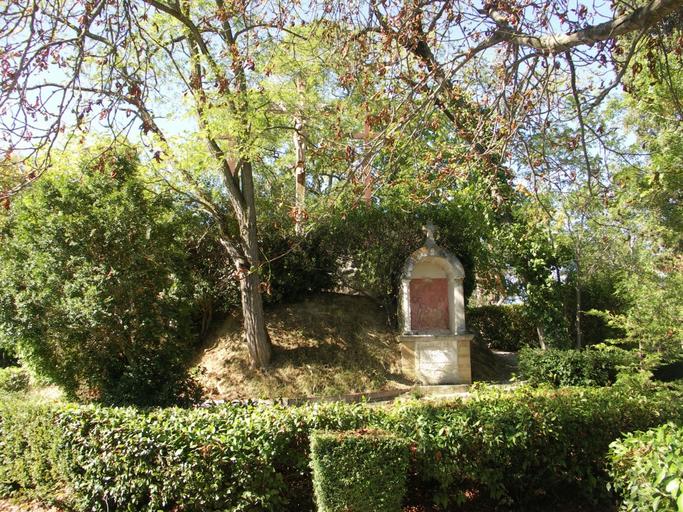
652 316
669 372
523 448
96 288
590 367
371 244
505 327
599 292
360 470
293 266
647 468
13 378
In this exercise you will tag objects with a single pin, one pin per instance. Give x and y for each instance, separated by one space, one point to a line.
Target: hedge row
527 448
233 458
647 469
589 367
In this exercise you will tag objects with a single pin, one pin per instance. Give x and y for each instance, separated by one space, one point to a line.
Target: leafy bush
669 372
503 327
530 447
202 460
297 266
359 470
647 469
590 367
653 317
13 379
598 291
95 283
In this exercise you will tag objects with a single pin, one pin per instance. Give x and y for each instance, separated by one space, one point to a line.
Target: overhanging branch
638 19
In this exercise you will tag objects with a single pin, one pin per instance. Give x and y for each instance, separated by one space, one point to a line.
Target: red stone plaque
429 304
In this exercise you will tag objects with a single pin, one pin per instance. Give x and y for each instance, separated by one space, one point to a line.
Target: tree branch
638 19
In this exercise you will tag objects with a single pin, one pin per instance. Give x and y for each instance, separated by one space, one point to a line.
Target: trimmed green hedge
236 458
506 327
647 468
530 447
31 450
589 367
359 470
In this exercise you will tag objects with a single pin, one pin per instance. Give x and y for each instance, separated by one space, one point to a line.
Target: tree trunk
245 255
367 183
300 166
579 329
255 333
249 270
299 176
541 336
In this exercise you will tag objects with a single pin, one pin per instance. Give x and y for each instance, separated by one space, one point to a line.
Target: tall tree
645 213
118 62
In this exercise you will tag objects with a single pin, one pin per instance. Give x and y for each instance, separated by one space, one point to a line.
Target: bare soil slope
327 345
324 346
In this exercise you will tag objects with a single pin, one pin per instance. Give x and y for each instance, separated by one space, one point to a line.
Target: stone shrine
435 346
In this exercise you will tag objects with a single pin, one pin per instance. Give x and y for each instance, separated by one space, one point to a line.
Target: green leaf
661 476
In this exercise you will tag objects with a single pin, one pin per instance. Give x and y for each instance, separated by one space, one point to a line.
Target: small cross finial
429 231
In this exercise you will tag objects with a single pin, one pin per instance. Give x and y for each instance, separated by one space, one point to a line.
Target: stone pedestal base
436 359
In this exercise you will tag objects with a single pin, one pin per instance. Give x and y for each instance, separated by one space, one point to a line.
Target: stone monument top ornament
435 347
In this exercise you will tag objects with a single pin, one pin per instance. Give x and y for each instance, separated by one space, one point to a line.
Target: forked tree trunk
244 253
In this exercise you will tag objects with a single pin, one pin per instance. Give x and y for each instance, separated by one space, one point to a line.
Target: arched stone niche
435 347
432 297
